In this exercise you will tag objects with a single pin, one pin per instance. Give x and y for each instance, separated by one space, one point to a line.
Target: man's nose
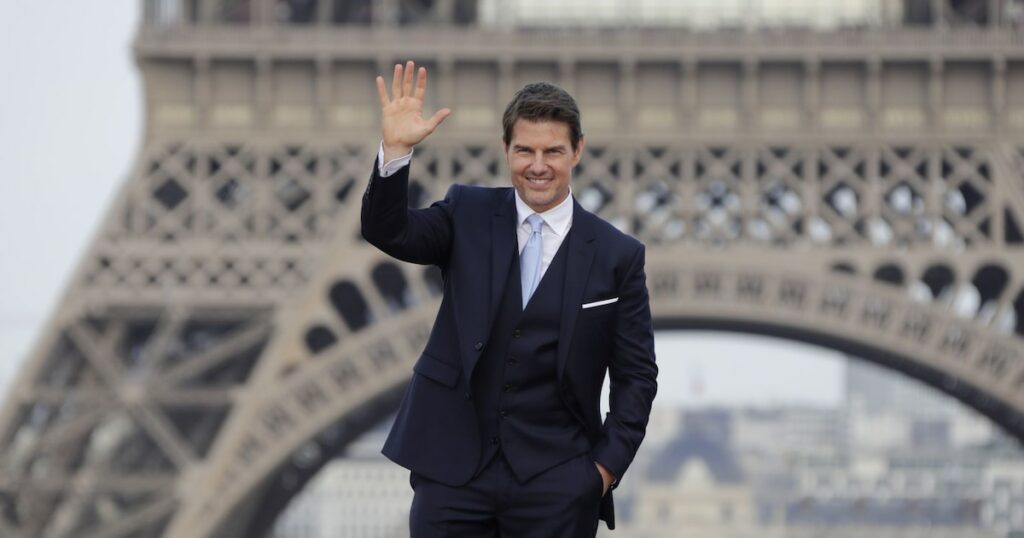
538 163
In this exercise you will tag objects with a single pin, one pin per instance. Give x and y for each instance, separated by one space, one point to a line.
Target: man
500 425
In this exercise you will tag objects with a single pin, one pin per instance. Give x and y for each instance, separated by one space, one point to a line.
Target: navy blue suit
444 424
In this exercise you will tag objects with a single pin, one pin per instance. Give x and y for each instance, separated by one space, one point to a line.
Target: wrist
607 478
392 152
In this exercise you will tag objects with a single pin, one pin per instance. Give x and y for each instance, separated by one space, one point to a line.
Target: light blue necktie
529 260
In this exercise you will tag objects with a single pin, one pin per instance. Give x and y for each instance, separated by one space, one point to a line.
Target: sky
70 119
70 128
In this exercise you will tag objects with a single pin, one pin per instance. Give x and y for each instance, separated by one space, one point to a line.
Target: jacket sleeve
632 373
420 236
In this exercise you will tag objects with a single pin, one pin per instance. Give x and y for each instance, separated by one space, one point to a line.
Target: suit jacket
470 236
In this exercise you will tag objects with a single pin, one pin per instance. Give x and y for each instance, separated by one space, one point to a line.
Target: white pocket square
599 303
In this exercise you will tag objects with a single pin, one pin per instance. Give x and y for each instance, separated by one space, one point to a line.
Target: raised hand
402 119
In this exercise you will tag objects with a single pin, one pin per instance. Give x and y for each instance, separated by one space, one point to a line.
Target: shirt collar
558 218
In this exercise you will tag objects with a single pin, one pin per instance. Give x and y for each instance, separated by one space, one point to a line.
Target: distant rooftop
718 458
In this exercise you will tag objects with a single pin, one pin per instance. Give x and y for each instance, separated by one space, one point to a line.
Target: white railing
698 15
695 14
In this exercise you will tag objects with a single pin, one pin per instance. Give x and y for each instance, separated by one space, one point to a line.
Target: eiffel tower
228 332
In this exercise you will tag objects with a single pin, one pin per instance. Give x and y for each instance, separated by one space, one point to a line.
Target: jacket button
468 395
478 346
511 360
508 387
516 333
503 413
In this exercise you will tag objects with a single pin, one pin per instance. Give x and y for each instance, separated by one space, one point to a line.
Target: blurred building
886 411
663 426
361 495
910 494
696 487
353 497
813 433
874 390
703 482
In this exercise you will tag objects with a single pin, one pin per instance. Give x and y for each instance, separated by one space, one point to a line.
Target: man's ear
578 154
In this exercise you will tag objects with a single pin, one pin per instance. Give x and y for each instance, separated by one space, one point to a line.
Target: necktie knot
535 222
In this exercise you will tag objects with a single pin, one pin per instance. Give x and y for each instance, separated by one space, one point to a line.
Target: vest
515 383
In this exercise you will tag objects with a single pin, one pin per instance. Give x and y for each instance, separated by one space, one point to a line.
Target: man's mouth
538 180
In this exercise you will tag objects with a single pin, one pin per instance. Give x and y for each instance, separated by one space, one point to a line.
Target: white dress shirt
557 220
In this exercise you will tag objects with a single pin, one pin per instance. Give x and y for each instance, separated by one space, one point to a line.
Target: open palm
402 121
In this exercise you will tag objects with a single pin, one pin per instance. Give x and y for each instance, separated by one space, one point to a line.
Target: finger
410 70
396 82
438 117
382 92
421 83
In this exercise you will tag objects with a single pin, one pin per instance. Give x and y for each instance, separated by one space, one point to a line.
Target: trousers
561 502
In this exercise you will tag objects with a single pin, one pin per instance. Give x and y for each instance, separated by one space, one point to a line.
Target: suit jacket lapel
577 271
503 241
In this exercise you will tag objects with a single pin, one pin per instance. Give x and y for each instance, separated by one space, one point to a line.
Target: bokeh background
752 434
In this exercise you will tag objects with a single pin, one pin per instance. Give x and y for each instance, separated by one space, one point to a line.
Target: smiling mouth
538 181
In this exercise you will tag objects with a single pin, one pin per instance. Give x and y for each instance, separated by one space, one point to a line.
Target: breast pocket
598 310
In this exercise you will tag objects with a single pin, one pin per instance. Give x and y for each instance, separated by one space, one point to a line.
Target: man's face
540 159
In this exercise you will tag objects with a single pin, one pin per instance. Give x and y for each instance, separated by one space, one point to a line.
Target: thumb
438 117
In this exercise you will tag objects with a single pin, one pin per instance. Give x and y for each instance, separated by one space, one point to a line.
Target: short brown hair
543 101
